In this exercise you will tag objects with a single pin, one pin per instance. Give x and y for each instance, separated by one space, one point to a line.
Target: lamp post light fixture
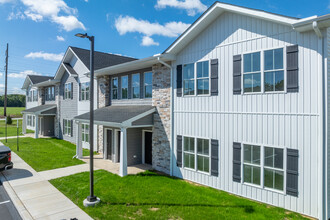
91 200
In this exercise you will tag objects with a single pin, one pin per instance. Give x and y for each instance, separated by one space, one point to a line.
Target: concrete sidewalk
34 197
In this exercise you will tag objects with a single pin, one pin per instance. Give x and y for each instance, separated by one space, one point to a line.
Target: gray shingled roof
70 69
116 114
39 108
38 79
101 60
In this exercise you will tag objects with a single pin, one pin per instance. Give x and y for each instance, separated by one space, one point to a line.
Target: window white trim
121 86
145 84
84 132
84 94
196 79
195 169
262 167
262 71
139 87
67 90
113 89
67 127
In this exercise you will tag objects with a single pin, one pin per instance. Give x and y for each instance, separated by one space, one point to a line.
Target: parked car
5 158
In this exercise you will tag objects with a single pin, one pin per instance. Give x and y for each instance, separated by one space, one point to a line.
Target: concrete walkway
11 137
108 165
34 197
66 171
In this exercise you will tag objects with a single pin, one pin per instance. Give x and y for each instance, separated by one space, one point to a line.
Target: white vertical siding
327 49
289 120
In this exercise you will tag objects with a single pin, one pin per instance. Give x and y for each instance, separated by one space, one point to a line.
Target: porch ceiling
119 116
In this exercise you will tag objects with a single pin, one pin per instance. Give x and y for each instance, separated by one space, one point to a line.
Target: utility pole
5 101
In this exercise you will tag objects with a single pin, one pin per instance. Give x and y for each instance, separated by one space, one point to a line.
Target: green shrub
9 120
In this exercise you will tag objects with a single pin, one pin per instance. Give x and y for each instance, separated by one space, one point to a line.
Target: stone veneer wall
161 99
103 91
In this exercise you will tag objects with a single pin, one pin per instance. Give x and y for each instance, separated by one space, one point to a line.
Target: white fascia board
49 82
26 83
128 123
39 112
60 66
109 124
74 75
307 24
87 68
216 10
134 65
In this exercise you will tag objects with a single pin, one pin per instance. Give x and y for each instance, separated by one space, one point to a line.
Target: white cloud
2 86
60 38
191 6
128 24
45 56
1 74
23 74
56 11
148 41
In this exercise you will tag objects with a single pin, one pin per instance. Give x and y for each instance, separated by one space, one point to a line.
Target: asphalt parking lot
7 208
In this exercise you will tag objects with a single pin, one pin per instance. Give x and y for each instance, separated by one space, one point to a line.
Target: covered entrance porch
42 118
126 134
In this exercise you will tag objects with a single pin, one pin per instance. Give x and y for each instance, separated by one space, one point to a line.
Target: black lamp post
91 200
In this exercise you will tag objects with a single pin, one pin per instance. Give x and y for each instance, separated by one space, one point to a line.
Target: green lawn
13 111
12 129
45 153
152 196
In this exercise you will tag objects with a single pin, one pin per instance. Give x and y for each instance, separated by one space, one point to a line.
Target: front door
109 144
148 147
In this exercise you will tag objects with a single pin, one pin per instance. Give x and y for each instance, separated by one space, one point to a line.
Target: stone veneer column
161 99
103 90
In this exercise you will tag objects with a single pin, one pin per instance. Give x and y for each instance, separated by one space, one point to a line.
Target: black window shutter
179 80
214 77
71 128
71 90
214 157
63 132
79 91
237 72
292 68
237 162
179 150
292 172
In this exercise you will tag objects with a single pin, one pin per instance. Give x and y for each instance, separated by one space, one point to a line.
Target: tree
9 120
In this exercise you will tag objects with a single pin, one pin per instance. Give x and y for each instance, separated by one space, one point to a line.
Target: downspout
171 115
324 126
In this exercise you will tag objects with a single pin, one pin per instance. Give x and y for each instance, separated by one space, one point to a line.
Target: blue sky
39 31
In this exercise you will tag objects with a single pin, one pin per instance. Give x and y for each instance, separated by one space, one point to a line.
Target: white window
136 85
68 91
188 79
273 70
124 87
67 127
35 95
148 85
114 88
50 93
273 168
29 97
196 154
252 166
251 73
31 120
84 91
85 133
189 152
203 155
203 79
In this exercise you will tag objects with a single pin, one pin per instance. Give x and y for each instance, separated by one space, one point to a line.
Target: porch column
123 152
24 124
79 142
36 133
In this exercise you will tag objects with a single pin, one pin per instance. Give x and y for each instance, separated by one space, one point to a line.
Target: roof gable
101 60
213 13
